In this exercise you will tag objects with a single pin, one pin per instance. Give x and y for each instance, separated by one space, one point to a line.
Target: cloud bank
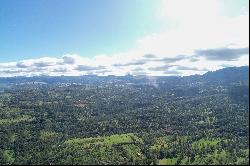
155 65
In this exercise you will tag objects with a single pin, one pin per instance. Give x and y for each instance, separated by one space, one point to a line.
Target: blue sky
37 28
116 37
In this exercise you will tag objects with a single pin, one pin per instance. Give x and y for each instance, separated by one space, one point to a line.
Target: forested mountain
200 119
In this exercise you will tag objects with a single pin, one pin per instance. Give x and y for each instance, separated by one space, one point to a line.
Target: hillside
200 119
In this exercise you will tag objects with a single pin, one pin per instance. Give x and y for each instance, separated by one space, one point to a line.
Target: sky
119 37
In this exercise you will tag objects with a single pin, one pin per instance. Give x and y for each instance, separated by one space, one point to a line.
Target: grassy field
107 140
167 161
108 149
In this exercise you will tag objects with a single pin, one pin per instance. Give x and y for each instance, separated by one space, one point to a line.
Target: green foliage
113 120
8 157
107 140
16 120
48 135
203 143
167 161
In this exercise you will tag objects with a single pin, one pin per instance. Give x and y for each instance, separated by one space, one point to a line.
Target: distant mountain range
225 75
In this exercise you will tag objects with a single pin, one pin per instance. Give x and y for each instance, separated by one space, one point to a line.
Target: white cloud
194 25
199 25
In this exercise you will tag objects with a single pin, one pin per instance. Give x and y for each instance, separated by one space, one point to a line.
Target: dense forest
199 119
